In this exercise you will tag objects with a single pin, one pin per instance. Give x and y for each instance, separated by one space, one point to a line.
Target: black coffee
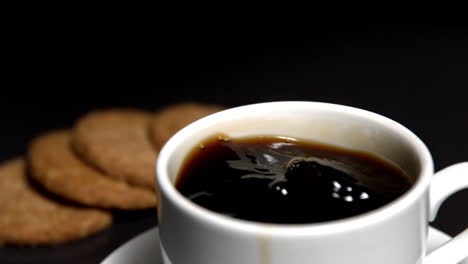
282 180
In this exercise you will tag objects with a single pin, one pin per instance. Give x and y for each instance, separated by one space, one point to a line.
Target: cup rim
329 227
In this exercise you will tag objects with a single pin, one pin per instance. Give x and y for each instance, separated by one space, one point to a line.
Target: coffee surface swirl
284 180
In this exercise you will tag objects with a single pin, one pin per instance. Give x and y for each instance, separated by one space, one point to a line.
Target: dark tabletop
414 73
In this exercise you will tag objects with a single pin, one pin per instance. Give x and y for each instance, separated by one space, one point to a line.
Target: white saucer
144 248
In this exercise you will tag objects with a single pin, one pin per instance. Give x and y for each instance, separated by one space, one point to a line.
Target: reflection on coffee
284 180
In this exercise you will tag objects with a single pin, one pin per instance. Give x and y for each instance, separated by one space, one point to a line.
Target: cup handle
445 183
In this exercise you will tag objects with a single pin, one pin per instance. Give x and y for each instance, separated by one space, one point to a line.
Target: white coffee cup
393 234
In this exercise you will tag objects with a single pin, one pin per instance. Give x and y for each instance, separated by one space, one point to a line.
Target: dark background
414 71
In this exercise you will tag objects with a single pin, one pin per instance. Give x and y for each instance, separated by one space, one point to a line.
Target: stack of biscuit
71 179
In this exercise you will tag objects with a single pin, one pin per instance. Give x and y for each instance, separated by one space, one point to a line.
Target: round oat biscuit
59 170
116 141
166 122
28 217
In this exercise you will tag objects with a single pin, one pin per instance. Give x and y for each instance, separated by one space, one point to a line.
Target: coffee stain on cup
265 249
